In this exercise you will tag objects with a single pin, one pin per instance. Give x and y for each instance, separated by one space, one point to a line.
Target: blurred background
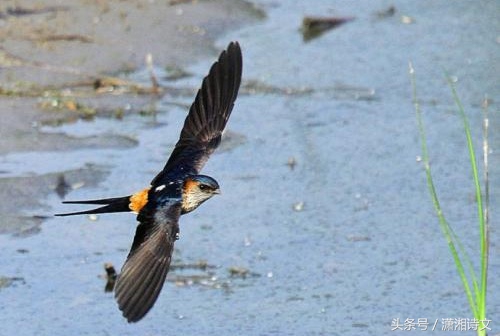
324 226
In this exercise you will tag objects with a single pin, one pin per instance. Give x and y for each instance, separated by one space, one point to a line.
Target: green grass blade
468 263
445 227
481 294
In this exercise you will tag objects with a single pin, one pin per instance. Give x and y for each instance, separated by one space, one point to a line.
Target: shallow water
341 244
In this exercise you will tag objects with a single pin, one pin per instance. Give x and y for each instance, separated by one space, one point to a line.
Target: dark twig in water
23 11
241 272
62 37
62 187
386 13
9 281
111 276
313 27
292 162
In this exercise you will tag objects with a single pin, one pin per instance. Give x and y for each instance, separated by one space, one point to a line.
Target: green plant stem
479 200
476 295
445 227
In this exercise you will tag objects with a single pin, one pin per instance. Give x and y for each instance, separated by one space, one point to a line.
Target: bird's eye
203 187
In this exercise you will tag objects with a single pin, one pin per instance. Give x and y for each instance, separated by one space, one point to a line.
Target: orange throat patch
139 200
188 203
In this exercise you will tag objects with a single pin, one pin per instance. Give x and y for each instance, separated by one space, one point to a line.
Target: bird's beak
217 192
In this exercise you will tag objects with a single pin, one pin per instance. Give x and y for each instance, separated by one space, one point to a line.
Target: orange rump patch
138 200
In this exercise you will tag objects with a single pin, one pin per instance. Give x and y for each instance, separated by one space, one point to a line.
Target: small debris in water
389 12
9 281
355 238
407 19
238 271
291 162
111 276
22 251
360 325
295 298
299 206
241 272
313 27
62 37
93 217
62 188
24 11
269 274
61 103
247 241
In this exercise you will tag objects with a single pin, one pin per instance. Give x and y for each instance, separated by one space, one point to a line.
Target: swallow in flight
176 190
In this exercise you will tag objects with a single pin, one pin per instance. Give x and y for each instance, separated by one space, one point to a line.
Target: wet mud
324 225
52 77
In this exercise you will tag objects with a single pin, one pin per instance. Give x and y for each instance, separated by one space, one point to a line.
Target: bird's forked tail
133 203
117 204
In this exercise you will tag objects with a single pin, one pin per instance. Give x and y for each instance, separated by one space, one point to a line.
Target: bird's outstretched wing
208 115
143 274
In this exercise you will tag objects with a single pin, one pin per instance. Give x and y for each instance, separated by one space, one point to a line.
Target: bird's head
196 190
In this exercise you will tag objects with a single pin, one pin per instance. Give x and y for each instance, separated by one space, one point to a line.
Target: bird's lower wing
143 274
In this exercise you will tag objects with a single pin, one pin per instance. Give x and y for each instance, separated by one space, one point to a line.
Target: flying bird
176 190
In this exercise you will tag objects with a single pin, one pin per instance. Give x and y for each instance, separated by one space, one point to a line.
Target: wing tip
234 47
209 112
145 270
228 69
233 50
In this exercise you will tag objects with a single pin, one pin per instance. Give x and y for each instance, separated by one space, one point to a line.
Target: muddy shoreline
63 63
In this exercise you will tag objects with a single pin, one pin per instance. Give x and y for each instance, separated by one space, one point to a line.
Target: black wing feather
143 274
208 115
